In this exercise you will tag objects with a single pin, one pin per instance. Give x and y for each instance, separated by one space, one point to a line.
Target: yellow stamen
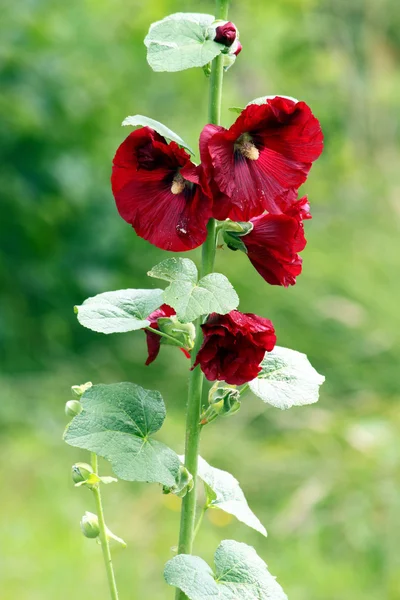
245 145
178 184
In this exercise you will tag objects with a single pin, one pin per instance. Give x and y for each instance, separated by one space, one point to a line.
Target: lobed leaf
116 423
157 126
119 311
287 379
180 42
191 298
227 495
240 574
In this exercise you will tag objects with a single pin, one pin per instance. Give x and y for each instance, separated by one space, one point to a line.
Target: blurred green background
324 479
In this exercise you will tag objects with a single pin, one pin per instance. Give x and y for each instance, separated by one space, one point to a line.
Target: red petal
153 346
288 138
143 172
272 248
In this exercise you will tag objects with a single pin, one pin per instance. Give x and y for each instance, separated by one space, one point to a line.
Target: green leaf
180 42
191 298
157 126
263 99
240 574
120 311
227 495
236 109
116 422
287 379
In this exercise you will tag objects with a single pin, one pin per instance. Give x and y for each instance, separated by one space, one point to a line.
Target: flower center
244 144
178 184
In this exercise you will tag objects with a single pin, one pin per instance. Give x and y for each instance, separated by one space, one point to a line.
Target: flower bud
183 333
73 408
81 472
223 401
232 233
90 525
225 34
184 483
79 390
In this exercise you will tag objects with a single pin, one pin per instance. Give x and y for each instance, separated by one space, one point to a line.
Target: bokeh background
324 479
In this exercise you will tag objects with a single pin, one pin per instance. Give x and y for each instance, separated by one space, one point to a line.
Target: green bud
79 390
81 472
183 333
184 483
233 232
90 525
238 227
223 401
73 408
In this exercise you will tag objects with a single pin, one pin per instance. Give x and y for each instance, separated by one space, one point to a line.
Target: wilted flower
234 346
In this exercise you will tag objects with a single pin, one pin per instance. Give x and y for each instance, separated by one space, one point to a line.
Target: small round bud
81 472
225 34
73 408
90 525
184 483
223 401
184 334
79 390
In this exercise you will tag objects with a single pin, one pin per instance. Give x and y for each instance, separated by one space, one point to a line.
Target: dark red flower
266 152
157 190
225 34
234 346
274 242
154 340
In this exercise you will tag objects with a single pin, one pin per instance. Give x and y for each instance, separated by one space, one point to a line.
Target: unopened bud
73 408
90 525
223 401
184 483
183 333
81 472
79 390
225 34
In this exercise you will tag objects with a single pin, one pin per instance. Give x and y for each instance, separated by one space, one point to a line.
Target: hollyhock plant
248 179
234 346
157 190
266 152
273 243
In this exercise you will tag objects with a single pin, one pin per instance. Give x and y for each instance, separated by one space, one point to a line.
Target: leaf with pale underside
180 41
263 99
287 379
117 422
136 120
240 574
227 495
119 311
192 298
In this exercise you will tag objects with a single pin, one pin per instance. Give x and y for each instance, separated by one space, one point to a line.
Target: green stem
103 534
165 335
200 520
193 427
